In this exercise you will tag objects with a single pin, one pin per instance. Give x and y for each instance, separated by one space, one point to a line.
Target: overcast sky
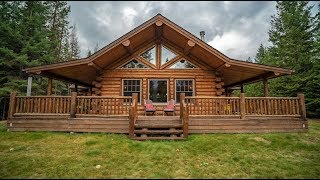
234 28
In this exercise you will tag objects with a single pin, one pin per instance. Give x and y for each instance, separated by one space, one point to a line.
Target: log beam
189 45
159 31
96 67
49 87
222 66
126 44
265 87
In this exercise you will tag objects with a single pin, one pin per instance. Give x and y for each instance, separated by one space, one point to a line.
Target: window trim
169 67
147 49
122 88
120 67
168 95
169 49
175 87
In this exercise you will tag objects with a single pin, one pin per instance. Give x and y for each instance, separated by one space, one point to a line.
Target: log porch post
302 106
133 114
12 104
242 106
265 87
241 88
49 87
73 109
182 98
29 86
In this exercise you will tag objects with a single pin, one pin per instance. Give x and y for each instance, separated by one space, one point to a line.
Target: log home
158 61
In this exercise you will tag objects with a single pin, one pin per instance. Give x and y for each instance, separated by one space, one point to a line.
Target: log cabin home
158 61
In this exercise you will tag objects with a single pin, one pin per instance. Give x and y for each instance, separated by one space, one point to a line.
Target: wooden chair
170 107
148 107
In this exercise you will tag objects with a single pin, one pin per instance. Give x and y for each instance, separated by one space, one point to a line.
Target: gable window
166 55
131 86
183 64
134 64
150 55
184 86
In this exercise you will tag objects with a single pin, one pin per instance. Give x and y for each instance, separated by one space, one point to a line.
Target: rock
98 166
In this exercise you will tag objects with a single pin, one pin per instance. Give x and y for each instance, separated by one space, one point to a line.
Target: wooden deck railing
82 105
208 105
100 105
272 106
42 104
246 106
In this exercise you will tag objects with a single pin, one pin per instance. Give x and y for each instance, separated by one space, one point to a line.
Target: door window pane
158 90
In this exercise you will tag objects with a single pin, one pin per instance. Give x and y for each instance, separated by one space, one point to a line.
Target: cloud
235 28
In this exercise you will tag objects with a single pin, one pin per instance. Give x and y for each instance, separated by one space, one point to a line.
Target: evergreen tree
25 41
292 41
58 27
89 53
74 44
96 48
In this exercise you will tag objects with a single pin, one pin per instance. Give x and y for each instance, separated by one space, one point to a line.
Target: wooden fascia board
192 37
56 65
260 66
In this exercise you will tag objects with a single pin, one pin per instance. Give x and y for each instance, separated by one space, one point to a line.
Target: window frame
160 54
168 95
175 87
122 88
148 49
121 66
169 67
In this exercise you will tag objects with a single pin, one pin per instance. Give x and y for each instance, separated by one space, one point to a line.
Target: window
166 55
184 86
131 86
134 64
158 90
150 55
182 64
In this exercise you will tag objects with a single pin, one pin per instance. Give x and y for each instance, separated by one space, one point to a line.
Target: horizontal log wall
112 124
205 83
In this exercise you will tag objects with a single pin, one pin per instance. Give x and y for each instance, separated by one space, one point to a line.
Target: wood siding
253 124
204 82
112 124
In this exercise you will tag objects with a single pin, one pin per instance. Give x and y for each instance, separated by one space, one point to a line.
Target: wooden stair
158 128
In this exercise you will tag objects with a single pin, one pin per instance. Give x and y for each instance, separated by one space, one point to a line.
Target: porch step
157 138
158 118
158 131
149 125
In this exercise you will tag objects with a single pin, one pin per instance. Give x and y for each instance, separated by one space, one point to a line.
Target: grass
78 155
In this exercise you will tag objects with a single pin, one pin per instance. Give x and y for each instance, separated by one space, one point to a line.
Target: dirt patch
260 139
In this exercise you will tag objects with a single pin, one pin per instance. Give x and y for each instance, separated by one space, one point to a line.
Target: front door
158 90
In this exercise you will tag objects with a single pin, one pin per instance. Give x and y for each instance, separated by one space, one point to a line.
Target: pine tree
58 26
89 53
96 48
74 44
292 41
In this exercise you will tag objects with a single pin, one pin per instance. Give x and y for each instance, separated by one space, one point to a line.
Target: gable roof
84 70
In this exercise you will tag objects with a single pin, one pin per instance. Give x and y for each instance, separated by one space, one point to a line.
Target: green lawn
78 155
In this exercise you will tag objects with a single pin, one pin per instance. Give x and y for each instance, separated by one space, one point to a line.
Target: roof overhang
157 29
